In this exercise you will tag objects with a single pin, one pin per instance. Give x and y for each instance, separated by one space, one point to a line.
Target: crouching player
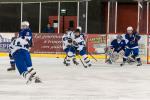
132 48
80 44
25 31
20 52
68 48
116 49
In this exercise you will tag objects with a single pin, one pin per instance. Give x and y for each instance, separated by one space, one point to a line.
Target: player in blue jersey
19 49
116 49
26 32
132 47
118 44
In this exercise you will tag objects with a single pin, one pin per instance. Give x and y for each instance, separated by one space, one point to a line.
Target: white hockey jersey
80 42
71 34
17 44
66 37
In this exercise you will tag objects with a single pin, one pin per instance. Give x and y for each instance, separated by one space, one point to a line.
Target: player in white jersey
25 31
19 49
80 44
69 48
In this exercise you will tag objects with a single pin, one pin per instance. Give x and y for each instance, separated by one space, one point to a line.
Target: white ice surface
100 82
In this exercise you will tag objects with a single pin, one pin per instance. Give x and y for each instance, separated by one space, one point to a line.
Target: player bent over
20 52
116 49
132 39
69 48
80 44
25 31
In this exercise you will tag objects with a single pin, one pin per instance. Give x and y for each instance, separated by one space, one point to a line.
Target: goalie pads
113 56
108 50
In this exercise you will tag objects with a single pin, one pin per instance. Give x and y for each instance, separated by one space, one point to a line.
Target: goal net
148 49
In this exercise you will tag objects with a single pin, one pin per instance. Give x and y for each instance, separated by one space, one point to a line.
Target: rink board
98 56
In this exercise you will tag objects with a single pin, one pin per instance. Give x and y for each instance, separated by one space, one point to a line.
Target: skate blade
28 82
31 78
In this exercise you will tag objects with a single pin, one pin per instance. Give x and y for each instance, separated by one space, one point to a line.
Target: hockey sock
124 59
138 60
28 73
86 60
68 59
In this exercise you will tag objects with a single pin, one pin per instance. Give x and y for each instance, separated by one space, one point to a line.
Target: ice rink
100 82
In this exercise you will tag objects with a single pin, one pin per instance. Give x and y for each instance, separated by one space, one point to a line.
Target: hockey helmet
80 28
25 24
119 37
129 29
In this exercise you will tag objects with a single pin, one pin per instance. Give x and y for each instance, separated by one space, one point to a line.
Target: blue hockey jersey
27 33
118 46
132 40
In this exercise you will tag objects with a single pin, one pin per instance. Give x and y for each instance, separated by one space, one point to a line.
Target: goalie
116 49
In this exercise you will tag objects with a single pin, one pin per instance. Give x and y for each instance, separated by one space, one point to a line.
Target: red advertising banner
47 43
96 43
52 43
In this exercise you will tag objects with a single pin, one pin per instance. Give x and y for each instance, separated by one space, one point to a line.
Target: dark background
97 15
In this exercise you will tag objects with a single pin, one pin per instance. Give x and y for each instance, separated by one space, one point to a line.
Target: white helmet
25 25
80 28
130 28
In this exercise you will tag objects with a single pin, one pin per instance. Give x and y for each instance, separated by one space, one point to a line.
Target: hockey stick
82 62
89 52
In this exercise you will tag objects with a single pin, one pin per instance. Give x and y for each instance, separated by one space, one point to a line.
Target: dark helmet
69 29
119 37
77 30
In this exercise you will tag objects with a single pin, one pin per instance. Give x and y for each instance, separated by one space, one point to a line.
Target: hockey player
12 61
20 52
80 44
68 47
80 28
25 31
116 49
132 39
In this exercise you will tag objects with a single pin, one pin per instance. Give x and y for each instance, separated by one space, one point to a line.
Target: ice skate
75 61
139 64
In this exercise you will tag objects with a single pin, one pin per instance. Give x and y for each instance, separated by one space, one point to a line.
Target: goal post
148 48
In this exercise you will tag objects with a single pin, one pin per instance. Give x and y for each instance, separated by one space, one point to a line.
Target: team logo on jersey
28 33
